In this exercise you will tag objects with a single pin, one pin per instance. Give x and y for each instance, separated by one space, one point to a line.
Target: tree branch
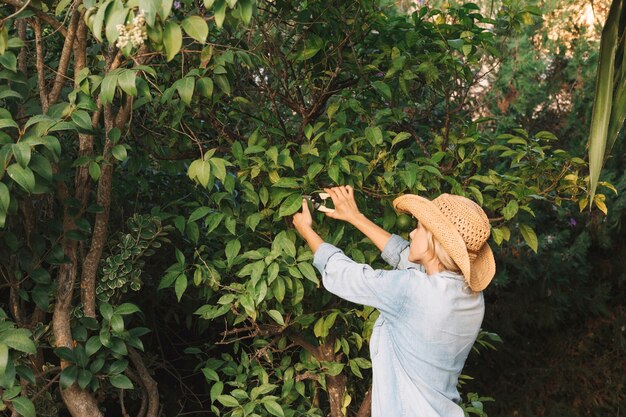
41 75
40 14
147 381
365 410
100 231
64 61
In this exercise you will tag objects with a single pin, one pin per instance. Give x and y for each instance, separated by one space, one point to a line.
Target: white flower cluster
134 33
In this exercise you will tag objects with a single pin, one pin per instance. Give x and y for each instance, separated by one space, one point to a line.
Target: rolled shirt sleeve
396 254
360 283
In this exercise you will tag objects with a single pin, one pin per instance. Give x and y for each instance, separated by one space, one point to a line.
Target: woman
431 304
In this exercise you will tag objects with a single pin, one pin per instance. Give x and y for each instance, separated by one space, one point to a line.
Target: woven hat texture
462 228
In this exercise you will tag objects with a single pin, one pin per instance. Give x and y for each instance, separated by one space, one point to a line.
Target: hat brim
477 273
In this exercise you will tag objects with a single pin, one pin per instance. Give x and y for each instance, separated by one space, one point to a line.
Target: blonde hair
440 253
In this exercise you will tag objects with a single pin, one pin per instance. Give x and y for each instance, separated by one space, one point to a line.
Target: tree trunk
365 410
80 403
335 385
147 381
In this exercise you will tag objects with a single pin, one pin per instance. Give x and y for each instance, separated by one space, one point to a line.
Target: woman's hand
345 205
303 221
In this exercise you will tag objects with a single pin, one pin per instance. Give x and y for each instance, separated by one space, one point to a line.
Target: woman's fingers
337 192
343 190
305 206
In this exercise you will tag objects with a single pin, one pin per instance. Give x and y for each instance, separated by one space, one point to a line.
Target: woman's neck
433 266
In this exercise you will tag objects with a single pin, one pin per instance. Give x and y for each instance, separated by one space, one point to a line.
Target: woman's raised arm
347 210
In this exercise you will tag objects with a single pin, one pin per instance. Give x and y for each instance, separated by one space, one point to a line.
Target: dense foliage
560 312
147 191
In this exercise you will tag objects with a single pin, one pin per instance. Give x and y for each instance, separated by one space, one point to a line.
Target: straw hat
462 228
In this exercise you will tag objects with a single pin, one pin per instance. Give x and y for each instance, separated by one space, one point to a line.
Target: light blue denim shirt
426 328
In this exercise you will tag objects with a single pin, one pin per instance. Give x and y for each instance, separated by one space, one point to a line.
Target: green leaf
205 86
107 87
216 390
200 171
9 61
8 123
223 83
65 353
246 10
232 249
11 393
41 166
10 93
22 153
84 378
312 45
117 323
248 305
26 373
172 39
68 376
400 137
603 118
510 210
285 244
529 236
24 177
82 120
180 286
210 374
276 316
309 272
94 170
126 309
185 87
292 204
93 345
273 408
106 310
24 407
127 80
228 401
53 145
149 8
4 358
97 365
118 346
218 166
374 135
41 296
456 43
497 235
98 22
19 339
121 381
199 213
118 366
196 27
166 8
118 17
383 89
5 197
119 152
219 11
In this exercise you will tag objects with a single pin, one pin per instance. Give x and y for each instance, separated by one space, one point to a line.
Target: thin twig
15 14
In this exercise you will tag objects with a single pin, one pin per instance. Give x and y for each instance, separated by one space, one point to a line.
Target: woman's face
418 251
